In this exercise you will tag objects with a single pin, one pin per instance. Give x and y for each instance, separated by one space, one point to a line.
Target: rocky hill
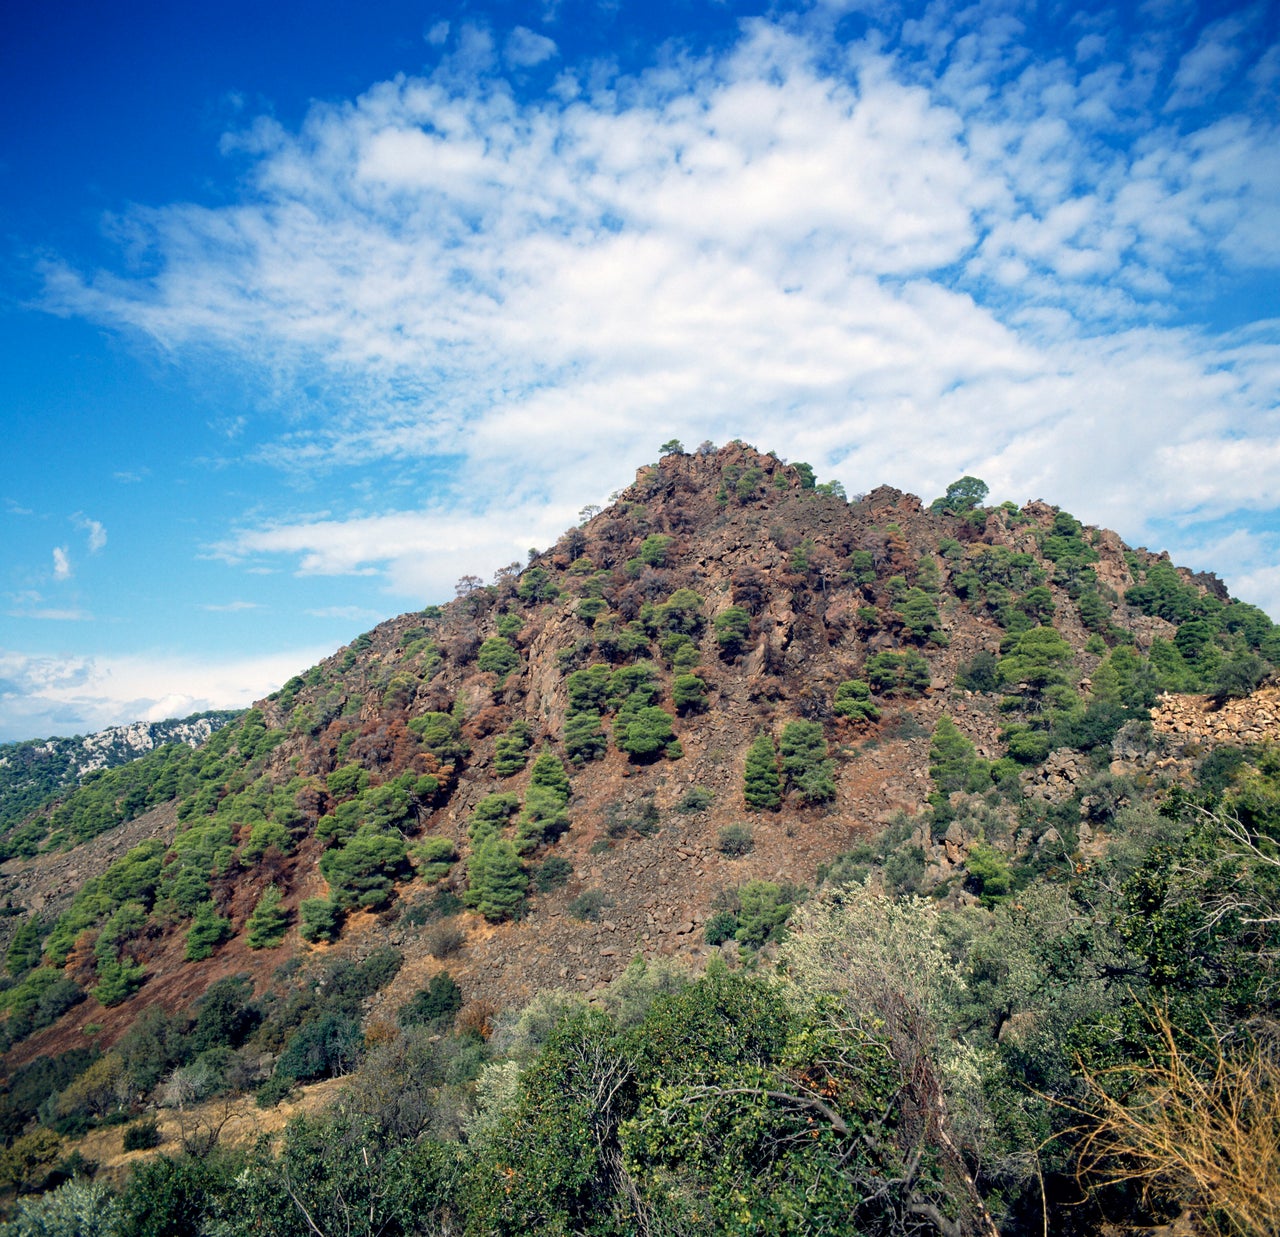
633 758
569 749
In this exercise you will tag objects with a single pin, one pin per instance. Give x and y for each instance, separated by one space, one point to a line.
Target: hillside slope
720 598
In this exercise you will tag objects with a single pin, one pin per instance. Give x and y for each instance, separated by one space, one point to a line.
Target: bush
589 903
898 674
761 785
689 694
735 840
732 628
268 922
326 1048
696 799
584 737
364 871
445 941
434 1006
511 750
763 910
721 927
805 764
496 880
554 872
646 734
208 930
435 855
321 920
496 656
853 700
141 1135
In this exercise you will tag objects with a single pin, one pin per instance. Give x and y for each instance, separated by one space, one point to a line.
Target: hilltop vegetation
753 860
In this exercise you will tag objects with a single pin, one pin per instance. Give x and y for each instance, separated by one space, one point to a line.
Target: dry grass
1203 1125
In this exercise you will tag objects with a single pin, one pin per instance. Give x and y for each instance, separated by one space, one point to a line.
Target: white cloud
524 48
43 694
61 563
1203 70
231 607
93 530
901 268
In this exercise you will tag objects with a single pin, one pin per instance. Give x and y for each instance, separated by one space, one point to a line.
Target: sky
308 310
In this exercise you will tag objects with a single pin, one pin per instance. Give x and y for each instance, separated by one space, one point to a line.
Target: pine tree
761 786
267 923
497 881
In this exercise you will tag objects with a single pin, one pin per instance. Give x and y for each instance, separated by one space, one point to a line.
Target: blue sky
310 309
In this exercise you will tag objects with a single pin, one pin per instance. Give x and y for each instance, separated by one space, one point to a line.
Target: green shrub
689 694
721 927
761 785
347 782
978 674
544 819
208 930
653 550
441 735
805 765
588 688
537 584
491 816
511 750
509 625
646 734
898 674
435 855
764 908
434 1006
732 628
364 871
141 1135
584 737
268 921
496 880
117 981
552 873
989 871
696 799
589 903
735 840
496 656
329 1046
853 700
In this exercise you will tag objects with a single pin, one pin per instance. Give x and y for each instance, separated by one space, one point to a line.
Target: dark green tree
806 767
761 785
268 921
962 496
496 880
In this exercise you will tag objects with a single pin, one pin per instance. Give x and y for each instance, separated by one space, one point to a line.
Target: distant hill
34 770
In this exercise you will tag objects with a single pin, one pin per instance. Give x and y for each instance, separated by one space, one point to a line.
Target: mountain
732 690
36 770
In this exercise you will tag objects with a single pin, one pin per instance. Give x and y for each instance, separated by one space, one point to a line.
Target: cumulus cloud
42 694
902 259
61 563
